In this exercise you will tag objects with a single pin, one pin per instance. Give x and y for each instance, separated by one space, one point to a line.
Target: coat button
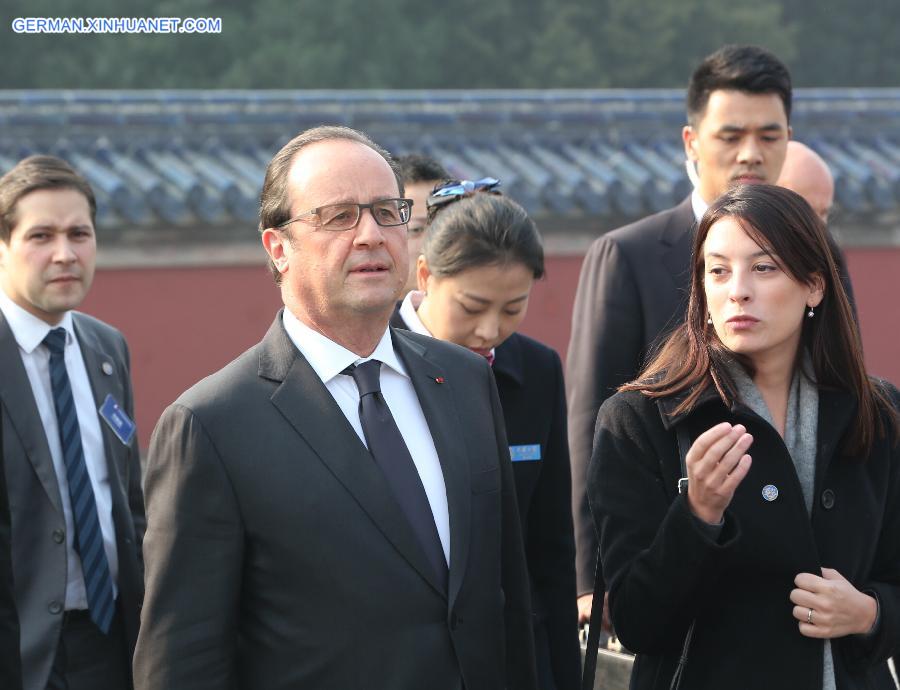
828 499
59 536
55 608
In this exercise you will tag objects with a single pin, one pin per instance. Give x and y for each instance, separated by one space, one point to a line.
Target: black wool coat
665 571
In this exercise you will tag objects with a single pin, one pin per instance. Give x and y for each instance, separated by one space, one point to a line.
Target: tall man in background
335 508
70 447
420 174
634 280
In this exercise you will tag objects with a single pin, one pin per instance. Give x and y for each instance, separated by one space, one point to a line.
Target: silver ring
809 617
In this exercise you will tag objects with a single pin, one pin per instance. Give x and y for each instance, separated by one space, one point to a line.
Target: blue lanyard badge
117 420
525 453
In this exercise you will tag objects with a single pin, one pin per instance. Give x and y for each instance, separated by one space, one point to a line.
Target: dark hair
31 175
274 200
482 230
417 167
693 358
737 68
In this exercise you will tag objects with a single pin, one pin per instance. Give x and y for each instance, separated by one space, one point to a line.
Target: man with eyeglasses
420 174
335 508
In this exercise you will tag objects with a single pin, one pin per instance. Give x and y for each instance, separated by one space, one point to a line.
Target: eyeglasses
338 217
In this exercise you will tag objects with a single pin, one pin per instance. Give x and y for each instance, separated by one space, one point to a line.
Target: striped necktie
88 537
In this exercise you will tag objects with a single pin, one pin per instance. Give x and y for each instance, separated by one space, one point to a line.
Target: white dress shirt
29 332
698 205
328 360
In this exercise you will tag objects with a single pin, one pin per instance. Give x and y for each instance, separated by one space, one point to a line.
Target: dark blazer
39 558
664 570
633 287
530 383
632 292
277 557
10 666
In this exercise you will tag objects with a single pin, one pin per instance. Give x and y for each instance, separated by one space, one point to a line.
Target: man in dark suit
72 461
634 280
336 507
10 666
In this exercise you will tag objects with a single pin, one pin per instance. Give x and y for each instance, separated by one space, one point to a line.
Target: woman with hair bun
481 256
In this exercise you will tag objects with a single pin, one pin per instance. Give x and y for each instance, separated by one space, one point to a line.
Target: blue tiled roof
182 158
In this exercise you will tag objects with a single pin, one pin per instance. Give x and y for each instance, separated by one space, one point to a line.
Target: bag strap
594 628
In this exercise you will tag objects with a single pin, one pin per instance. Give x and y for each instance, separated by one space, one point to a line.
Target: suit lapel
18 399
308 406
103 374
437 401
677 239
508 363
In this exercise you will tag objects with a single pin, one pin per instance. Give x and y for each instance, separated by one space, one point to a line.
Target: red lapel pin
439 379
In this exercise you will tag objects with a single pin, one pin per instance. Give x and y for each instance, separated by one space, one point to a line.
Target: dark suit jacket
277 557
530 382
39 556
10 667
632 292
633 287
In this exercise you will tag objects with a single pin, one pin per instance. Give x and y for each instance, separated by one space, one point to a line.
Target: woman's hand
837 607
716 464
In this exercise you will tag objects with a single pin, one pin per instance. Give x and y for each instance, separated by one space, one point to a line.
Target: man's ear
276 243
689 137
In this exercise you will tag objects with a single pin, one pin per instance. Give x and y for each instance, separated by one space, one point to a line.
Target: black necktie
391 454
88 537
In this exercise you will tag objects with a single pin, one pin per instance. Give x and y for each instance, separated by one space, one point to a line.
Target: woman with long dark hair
481 256
746 487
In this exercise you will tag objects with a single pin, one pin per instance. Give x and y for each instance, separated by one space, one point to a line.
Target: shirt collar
698 205
28 330
327 358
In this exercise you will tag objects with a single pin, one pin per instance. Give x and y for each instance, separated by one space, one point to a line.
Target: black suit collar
680 220
397 320
509 362
305 402
677 242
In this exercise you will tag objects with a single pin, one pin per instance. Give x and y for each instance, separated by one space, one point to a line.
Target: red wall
185 323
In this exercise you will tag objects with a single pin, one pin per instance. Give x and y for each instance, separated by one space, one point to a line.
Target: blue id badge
525 453
117 420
